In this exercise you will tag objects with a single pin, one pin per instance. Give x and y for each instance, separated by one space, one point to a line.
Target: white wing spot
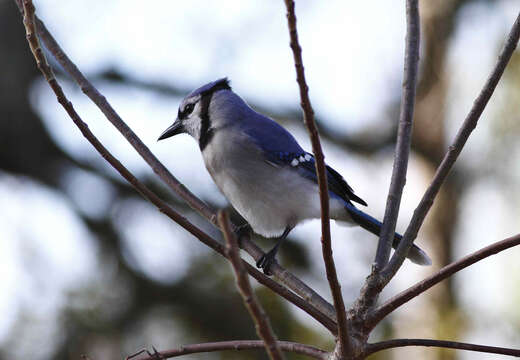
307 157
294 162
302 159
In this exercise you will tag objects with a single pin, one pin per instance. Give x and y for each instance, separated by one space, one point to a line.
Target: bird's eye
188 109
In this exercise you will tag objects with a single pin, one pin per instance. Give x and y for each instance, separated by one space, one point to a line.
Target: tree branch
302 303
383 345
447 271
404 134
453 153
308 117
262 323
300 288
149 195
238 345
374 283
295 284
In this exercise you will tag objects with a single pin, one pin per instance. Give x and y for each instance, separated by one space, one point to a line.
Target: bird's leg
266 260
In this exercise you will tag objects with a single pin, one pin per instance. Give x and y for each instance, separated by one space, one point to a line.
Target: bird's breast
270 198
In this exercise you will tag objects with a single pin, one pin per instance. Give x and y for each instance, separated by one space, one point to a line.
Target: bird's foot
266 261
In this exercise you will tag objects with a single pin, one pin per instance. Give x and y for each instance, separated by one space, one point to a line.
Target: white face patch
192 122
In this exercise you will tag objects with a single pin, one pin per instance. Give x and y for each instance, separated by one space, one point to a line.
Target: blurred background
89 267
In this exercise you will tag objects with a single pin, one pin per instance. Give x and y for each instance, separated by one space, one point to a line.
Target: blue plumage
270 136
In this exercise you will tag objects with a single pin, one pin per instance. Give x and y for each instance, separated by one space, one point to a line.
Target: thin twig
262 323
374 284
442 274
453 153
308 117
404 134
299 287
383 345
238 345
145 192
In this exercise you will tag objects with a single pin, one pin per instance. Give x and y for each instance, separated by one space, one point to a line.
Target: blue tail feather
373 225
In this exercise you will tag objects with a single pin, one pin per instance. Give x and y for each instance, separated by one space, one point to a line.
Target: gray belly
270 198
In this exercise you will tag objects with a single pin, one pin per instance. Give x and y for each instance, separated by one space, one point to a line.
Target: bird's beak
174 129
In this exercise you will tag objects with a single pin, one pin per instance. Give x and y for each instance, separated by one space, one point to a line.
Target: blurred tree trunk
26 147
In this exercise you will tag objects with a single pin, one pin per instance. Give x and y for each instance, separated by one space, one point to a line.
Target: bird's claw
265 263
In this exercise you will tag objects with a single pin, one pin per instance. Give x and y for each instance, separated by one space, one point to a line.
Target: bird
262 170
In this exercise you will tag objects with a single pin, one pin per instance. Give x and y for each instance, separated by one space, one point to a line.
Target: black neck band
206 132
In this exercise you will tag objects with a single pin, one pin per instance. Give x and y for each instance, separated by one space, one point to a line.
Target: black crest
221 84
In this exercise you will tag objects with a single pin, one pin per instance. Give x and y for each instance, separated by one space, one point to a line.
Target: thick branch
262 323
50 43
453 153
238 345
404 134
143 190
308 117
442 274
383 345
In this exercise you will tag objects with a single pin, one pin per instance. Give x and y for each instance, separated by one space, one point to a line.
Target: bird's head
200 111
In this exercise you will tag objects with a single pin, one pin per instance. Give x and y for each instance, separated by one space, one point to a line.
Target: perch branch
308 117
283 275
262 323
453 153
383 345
442 274
141 188
295 284
238 345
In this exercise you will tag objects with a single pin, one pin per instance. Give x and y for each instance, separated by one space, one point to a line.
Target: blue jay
261 169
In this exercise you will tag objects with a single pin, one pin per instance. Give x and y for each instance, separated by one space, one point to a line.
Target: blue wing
269 135
281 149
305 164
